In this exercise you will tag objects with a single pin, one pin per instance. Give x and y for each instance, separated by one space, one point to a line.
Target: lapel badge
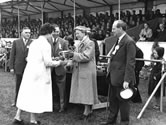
116 49
60 46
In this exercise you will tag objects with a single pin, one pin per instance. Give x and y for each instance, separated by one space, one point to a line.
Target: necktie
55 41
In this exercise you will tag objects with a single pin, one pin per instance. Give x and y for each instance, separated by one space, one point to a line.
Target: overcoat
84 83
35 93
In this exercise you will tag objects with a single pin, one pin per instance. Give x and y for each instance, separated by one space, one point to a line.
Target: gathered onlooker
18 54
161 33
146 33
58 73
155 75
35 93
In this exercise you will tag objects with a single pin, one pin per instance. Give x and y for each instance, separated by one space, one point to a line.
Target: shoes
18 122
107 123
36 123
61 110
85 117
156 107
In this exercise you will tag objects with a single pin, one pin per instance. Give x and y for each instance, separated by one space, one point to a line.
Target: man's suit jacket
60 45
161 37
18 55
122 63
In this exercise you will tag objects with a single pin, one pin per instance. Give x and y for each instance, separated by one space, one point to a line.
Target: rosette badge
116 48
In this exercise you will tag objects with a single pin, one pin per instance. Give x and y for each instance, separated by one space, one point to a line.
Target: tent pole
74 16
42 13
1 20
19 21
119 9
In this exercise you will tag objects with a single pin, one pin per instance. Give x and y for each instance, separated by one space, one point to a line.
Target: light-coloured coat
84 83
35 94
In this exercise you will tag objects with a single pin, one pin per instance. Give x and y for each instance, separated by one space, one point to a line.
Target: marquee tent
29 7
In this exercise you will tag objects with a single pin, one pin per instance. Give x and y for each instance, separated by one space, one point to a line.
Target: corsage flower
116 48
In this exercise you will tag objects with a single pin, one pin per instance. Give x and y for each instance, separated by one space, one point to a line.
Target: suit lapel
82 44
57 44
21 42
121 43
28 43
50 40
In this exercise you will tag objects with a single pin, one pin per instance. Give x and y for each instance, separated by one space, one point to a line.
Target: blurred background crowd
100 23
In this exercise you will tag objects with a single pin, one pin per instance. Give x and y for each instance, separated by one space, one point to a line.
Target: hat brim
127 94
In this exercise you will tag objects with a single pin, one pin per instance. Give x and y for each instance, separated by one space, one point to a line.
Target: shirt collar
120 38
54 40
25 40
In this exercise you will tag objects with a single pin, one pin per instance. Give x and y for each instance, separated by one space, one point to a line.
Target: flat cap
82 28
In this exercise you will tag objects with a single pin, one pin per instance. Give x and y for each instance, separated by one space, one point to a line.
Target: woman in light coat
84 83
146 33
35 94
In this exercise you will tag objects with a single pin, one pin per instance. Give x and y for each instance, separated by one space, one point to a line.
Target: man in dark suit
120 73
161 33
18 56
59 73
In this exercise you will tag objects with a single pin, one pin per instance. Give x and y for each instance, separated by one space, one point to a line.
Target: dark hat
127 94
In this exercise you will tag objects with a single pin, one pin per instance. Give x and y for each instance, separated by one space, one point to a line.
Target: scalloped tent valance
29 7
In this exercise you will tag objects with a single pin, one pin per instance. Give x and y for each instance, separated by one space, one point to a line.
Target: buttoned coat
35 93
84 84
18 55
122 63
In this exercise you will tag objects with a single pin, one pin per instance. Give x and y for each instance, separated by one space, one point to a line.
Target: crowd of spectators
101 23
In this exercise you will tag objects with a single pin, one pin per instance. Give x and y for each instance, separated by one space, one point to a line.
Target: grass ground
70 117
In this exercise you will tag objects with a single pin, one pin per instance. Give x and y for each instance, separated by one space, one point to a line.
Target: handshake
61 60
